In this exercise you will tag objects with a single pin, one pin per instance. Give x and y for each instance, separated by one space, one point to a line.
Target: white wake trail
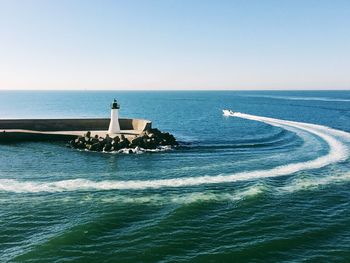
337 152
325 99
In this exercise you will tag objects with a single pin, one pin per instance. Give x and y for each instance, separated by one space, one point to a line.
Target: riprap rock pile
150 139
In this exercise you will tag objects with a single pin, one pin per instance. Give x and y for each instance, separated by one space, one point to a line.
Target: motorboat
227 112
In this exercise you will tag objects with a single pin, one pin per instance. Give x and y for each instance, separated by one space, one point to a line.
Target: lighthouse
114 123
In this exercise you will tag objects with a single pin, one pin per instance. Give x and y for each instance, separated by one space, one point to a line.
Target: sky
174 44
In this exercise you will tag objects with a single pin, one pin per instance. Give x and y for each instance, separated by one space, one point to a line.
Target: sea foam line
337 152
299 98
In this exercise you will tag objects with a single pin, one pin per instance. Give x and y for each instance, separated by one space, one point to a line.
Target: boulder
107 147
108 139
80 145
149 139
95 147
123 144
88 134
149 144
94 140
136 142
154 130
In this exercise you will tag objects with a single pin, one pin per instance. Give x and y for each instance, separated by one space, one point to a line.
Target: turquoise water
239 189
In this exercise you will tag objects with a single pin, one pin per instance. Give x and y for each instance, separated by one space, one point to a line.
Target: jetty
96 134
66 129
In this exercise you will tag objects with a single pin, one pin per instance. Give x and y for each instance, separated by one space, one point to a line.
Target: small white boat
228 112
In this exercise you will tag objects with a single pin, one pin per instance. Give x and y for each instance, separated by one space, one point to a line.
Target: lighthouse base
114 126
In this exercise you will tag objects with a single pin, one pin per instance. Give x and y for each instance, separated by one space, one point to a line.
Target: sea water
271 183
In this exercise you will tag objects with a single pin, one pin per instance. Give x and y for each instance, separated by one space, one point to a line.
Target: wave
300 184
299 98
136 150
189 198
232 145
248 192
337 152
277 139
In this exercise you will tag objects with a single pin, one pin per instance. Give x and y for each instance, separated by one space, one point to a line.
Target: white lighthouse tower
114 123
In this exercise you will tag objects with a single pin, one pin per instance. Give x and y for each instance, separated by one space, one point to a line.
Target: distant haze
174 44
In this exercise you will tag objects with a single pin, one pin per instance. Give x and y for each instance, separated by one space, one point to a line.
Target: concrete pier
63 129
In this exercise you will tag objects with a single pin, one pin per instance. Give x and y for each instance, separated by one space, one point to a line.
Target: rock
168 139
136 142
108 139
94 140
156 140
95 147
80 145
73 143
107 147
87 146
149 144
123 144
155 131
149 139
88 134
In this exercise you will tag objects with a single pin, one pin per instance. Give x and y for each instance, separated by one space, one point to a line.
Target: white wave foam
299 98
312 183
136 150
337 152
247 192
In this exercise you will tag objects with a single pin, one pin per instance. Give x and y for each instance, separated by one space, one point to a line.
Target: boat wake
325 99
337 152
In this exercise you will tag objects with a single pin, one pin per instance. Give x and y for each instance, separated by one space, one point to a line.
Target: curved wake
325 99
337 152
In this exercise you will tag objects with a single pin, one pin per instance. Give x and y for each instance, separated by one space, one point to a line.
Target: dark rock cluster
150 139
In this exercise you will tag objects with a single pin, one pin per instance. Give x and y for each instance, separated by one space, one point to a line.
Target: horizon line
303 89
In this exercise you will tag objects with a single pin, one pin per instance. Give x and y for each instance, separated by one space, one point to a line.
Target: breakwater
149 139
64 129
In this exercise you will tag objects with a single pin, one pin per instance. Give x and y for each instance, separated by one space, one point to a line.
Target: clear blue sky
175 44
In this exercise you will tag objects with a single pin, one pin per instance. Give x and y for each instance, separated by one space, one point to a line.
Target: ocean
271 183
